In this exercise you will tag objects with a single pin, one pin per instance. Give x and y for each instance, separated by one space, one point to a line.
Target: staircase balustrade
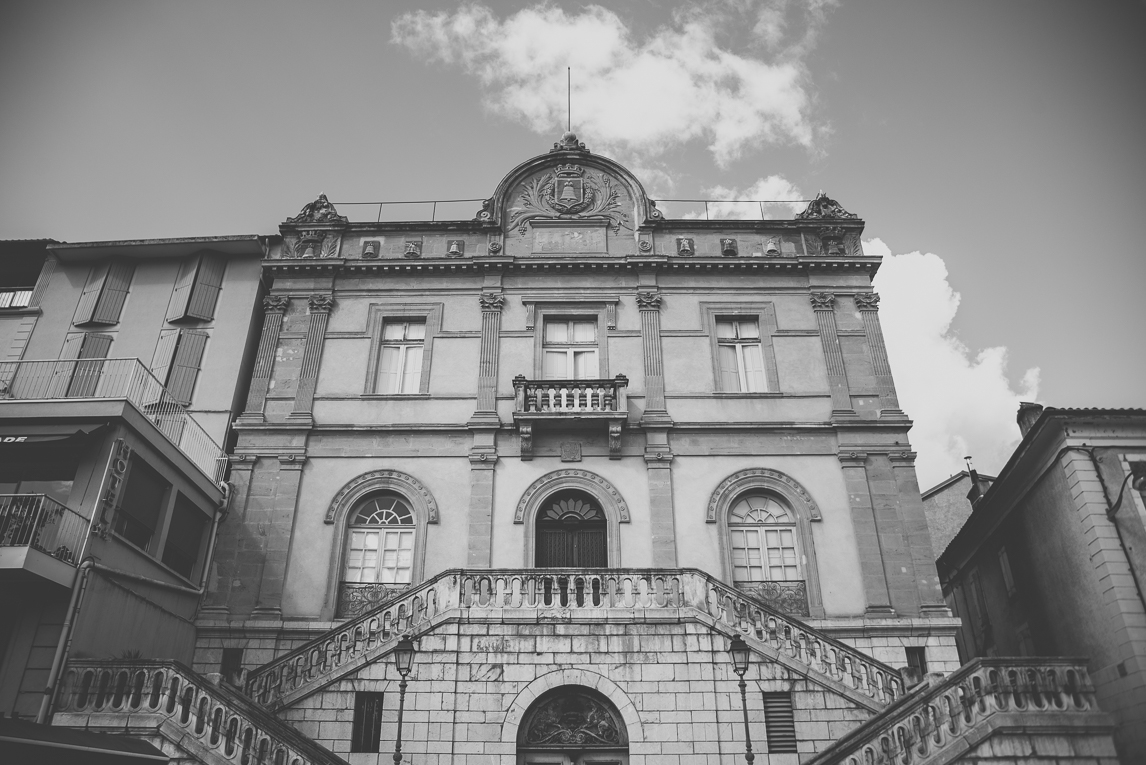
217 719
529 594
933 722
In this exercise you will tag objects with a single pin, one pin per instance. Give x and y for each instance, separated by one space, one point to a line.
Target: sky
993 147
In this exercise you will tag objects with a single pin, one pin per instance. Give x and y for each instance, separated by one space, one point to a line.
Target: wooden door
572 543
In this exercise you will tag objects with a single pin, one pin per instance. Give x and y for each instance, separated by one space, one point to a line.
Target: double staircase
932 722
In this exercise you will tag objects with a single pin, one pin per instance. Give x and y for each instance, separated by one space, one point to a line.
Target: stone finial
824 207
569 142
318 211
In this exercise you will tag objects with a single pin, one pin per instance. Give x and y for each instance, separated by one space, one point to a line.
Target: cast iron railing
932 724
39 522
115 379
601 594
181 704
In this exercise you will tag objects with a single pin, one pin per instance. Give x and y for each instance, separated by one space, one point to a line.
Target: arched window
572 532
763 536
380 544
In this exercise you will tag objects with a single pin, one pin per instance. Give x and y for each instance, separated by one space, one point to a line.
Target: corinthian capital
491 301
276 303
867 301
648 301
823 301
321 303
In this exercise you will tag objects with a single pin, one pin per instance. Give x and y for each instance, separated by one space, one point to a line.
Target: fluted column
649 304
491 305
320 308
824 304
274 308
868 305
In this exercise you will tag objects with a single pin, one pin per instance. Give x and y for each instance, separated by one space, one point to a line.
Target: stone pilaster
917 535
898 566
229 545
277 530
320 308
868 305
824 304
274 307
656 424
484 425
876 596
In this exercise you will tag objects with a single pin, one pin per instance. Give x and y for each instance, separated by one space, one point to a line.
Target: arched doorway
571 532
572 725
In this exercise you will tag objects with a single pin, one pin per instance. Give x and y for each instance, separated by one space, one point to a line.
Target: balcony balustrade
40 523
568 401
126 379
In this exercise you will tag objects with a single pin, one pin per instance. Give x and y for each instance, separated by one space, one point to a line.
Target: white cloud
962 402
744 204
637 95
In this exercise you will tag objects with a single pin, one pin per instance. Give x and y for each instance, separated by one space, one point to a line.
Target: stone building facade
571 449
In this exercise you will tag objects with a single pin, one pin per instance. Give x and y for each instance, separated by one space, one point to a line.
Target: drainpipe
65 641
1111 512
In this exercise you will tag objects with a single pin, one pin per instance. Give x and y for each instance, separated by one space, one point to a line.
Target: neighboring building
572 448
948 505
117 386
1053 559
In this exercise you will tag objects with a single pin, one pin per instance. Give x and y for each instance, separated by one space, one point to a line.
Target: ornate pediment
569 192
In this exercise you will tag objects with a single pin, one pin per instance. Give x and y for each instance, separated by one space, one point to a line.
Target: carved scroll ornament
569 192
572 719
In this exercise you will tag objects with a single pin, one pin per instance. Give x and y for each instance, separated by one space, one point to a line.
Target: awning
23 741
14 436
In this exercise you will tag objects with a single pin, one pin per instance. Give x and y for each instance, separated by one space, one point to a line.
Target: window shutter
389 368
177 308
87 374
185 367
779 722
90 296
729 374
412 369
110 302
754 368
164 354
72 345
207 286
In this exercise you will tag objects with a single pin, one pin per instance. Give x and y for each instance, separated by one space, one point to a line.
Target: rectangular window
104 294
917 659
176 362
741 355
1008 575
570 349
197 288
141 507
385 555
779 722
400 362
185 537
764 554
366 733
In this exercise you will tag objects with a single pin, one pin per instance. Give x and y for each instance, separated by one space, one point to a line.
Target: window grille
366 733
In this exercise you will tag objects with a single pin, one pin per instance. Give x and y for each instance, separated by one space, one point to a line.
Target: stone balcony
570 402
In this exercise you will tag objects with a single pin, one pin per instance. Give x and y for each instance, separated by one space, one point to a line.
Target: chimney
978 488
1028 414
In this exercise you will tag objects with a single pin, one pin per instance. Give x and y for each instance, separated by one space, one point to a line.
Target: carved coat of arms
569 192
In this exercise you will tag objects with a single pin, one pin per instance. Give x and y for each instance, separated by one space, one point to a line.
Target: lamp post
403 661
741 654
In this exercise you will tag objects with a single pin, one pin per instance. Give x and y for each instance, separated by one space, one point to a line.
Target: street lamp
403 662
741 654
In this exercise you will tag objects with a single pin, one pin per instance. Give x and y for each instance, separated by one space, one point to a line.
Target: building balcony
40 537
569 402
114 379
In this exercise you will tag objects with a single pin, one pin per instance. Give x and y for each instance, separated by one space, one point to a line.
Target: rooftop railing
115 379
39 522
432 210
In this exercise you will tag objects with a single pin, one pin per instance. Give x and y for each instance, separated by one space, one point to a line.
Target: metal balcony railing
39 522
115 379
569 396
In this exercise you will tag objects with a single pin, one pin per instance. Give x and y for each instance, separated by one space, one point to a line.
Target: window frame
764 314
571 348
430 313
791 526
380 529
596 311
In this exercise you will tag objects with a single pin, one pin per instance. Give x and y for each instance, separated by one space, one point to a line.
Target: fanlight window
381 544
763 532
